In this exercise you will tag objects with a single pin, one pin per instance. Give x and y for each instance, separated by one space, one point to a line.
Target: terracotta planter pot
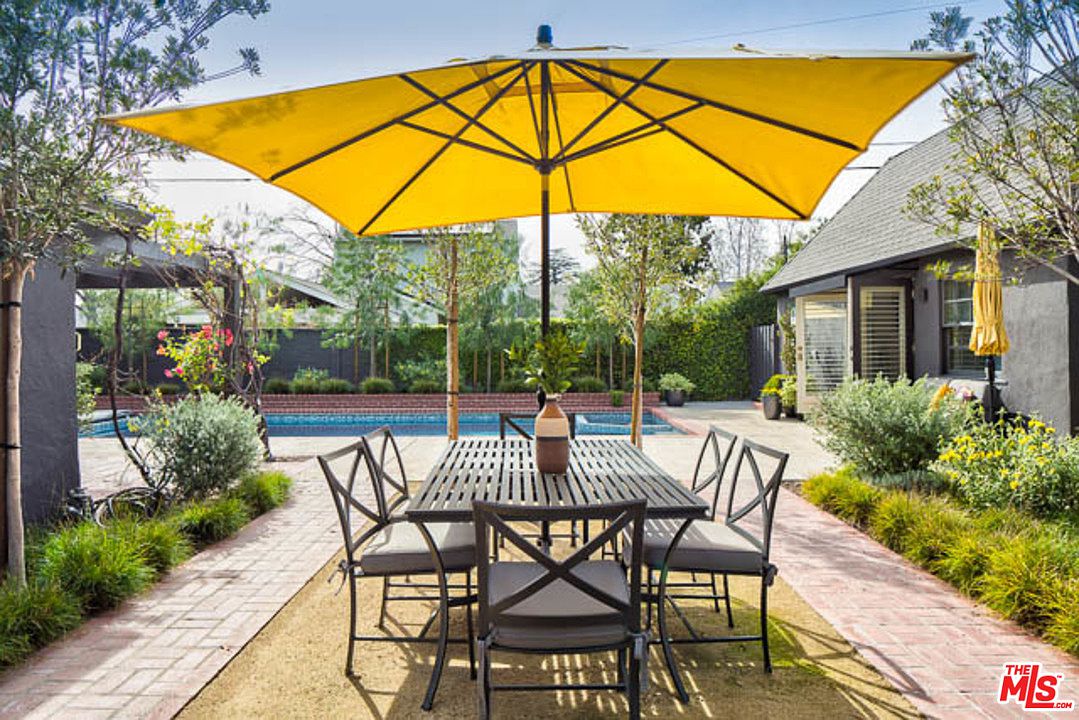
771 406
552 438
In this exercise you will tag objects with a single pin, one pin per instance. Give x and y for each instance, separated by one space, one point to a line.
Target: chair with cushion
563 607
379 542
724 548
712 460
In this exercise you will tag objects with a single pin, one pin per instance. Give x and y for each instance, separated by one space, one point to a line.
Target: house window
958 310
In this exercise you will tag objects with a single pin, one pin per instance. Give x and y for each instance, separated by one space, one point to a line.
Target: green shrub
925 481
937 527
202 444
618 397
1025 577
376 386
431 369
892 520
264 491
965 561
1023 466
135 387
857 504
423 386
1063 627
98 566
305 386
207 522
33 616
335 386
883 427
512 385
276 386
774 385
309 373
826 489
788 392
676 381
85 392
588 384
167 388
160 542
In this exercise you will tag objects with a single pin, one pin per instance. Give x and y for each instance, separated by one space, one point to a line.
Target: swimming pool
334 424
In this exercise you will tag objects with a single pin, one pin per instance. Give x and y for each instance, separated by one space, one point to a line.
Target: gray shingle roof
871 229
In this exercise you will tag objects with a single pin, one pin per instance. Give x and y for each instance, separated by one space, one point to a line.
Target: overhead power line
813 23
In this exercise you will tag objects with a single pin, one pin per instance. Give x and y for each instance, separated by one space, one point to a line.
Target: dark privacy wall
50 457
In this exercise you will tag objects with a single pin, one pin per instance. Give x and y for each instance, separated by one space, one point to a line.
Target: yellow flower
1014 484
1037 424
1004 472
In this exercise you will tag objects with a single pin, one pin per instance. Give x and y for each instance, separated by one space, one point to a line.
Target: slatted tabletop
601 470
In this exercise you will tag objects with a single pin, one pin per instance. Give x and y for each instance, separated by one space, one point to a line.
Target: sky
314 42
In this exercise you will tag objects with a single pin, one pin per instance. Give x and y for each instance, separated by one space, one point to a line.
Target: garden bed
77 570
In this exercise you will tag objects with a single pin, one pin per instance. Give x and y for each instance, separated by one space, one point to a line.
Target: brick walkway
943 651
150 657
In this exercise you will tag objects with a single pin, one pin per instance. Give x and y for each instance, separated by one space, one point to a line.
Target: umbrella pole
545 254
991 391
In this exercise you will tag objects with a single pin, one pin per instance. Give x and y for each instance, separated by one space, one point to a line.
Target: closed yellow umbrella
988 336
564 130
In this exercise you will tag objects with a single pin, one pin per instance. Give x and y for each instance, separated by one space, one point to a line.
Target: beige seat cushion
559 616
399 549
706 546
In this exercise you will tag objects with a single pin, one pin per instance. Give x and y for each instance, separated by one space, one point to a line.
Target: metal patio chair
712 460
389 546
551 606
720 548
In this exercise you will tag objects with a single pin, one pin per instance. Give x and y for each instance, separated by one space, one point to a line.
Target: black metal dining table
601 470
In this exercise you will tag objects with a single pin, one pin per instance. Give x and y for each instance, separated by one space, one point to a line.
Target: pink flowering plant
200 357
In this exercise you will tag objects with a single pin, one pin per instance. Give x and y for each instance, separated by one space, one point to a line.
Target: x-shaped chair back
716 453
364 465
765 498
497 516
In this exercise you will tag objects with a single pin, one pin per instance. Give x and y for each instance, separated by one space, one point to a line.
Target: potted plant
770 400
675 387
788 396
550 365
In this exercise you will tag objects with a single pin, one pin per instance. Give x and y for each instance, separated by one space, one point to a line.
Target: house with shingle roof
867 302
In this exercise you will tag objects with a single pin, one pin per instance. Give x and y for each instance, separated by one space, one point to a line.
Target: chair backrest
361 468
508 420
715 454
767 491
618 516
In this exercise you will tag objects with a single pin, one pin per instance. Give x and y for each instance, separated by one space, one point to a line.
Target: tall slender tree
63 65
639 261
459 265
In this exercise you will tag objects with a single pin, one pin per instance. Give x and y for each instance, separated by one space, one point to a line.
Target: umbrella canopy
600 129
988 336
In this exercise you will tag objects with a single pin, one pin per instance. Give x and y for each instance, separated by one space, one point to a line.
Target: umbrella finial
544 36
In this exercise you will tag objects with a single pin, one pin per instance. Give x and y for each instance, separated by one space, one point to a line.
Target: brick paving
148 658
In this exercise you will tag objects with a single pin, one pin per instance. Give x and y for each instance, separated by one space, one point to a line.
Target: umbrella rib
558 132
642 131
721 106
532 108
461 113
610 108
466 143
524 68
387 124
689 141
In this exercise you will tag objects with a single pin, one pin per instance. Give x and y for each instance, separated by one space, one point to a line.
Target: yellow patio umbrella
988 336
595 129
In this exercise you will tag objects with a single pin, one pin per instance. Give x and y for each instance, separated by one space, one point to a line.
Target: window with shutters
883 332
823 325
957 307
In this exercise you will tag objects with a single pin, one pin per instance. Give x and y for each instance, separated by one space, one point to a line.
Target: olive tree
639 266
64 64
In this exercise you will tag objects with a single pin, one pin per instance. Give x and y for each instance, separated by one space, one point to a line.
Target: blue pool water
308 424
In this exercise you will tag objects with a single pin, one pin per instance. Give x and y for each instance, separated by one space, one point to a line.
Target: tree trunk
372 355
386 341
16 556
610 364
452 361
623 361
597 362
637 412
475 368
488 384
501 366
356 361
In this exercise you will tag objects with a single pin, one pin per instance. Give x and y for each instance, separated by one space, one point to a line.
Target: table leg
444 618
664 637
